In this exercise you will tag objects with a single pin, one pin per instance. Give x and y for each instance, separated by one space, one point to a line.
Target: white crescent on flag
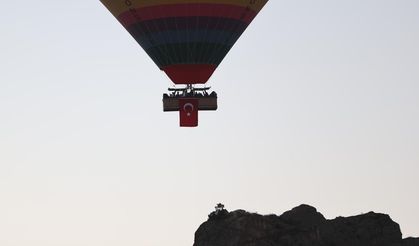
188 112
188 105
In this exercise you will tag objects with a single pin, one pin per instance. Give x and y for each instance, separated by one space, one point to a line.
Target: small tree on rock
219 212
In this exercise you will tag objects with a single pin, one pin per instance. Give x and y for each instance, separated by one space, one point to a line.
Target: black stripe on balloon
182 36
184 58
191 23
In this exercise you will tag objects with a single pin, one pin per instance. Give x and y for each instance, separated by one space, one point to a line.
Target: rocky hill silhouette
302 226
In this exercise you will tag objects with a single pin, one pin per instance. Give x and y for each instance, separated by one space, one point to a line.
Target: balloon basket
188 102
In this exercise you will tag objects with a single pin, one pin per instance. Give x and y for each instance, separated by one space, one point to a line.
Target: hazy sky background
318 104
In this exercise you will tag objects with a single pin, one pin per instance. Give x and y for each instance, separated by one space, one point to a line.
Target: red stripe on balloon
187 10
189 73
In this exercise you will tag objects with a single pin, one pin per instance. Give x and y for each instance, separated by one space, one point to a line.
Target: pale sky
318 104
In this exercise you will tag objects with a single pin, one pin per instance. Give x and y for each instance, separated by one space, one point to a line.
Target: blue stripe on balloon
186 36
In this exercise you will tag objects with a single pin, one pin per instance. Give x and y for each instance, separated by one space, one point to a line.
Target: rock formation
302 226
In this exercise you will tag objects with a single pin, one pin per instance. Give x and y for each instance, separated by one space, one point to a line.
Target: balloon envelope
187 39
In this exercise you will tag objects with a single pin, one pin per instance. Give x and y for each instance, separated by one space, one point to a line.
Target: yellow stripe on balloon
117 7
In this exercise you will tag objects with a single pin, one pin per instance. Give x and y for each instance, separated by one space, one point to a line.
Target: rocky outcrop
302 226
411 242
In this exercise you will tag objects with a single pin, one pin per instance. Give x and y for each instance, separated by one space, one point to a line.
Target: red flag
188 110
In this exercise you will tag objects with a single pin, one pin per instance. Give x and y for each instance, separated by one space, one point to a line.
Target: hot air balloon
187 39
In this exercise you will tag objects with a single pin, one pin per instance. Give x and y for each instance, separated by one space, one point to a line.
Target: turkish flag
188 110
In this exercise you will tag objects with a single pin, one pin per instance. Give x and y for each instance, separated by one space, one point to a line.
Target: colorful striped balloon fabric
187 39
